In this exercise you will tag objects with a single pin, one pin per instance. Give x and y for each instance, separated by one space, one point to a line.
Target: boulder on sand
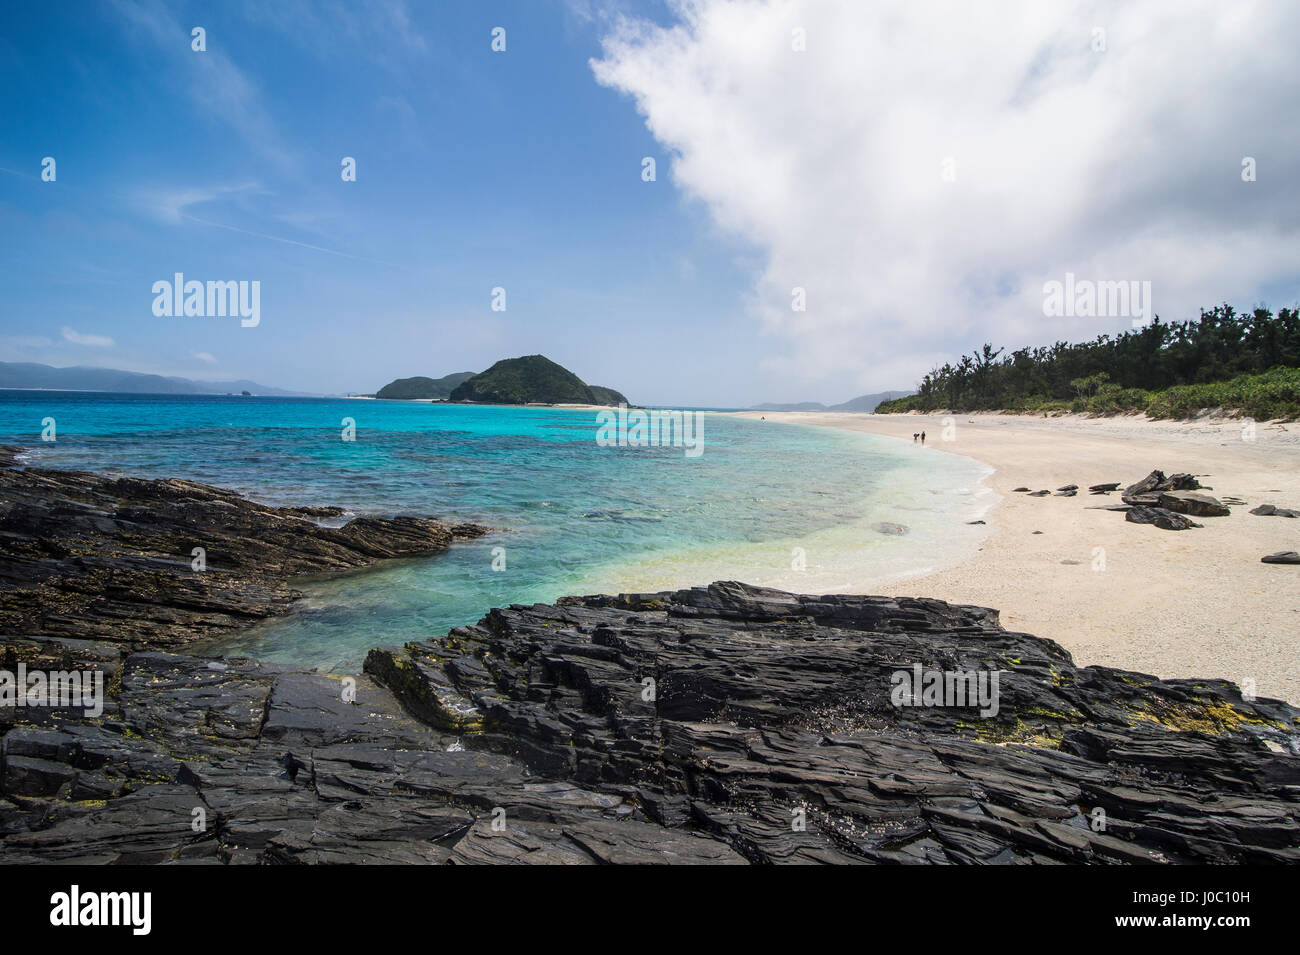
1189 502
1281 557
1147 491
1272 510
1160 517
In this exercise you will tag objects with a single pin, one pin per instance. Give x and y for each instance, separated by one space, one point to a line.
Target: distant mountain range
861 403
532 379
525 380
29 375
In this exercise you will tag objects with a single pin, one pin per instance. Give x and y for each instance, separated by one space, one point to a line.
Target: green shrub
1271 394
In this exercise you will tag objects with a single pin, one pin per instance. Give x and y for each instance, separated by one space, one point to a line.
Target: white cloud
215 83
379 30
1122 164
173 204
206 357
93 341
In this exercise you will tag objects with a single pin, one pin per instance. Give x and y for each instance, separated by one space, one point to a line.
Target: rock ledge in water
99 558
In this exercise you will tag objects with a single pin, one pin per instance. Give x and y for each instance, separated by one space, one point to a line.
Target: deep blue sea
775 504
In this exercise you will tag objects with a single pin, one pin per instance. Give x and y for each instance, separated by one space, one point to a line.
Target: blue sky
918 169
475 169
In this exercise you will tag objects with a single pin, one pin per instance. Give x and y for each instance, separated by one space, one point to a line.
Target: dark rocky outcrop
1103 488
1190 502
1147 491
1166 501
92 557
1272 510
726 724
239 762
769 706
1281 557
1161 517
722 724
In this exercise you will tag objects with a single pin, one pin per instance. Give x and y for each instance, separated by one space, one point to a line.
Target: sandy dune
1176 604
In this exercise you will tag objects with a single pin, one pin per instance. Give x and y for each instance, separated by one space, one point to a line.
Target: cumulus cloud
93 341
1114 155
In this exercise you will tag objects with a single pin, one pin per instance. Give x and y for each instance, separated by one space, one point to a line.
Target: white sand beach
1193 603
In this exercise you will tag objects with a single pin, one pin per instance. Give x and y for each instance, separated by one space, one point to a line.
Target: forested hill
421 387
1246 362
533 379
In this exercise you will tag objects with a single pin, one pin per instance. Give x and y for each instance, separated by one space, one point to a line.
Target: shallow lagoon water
772 504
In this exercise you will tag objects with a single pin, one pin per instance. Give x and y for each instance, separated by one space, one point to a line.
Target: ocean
780 505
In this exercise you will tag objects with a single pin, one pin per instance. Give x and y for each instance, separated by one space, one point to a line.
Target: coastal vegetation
1240 362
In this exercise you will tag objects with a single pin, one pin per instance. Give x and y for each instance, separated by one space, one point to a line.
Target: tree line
1121 372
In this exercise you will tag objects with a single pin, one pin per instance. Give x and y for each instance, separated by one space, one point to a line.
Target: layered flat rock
770 722
160 563
1272 510
1161 517
1281 557
1192 502
717 725
235 762
1148 490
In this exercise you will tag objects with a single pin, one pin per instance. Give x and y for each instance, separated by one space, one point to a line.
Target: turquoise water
773 504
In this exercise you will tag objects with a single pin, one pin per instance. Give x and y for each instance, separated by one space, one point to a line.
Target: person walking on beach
914 437
923 437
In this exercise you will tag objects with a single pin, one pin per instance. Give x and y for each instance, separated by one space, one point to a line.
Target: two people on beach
921 435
